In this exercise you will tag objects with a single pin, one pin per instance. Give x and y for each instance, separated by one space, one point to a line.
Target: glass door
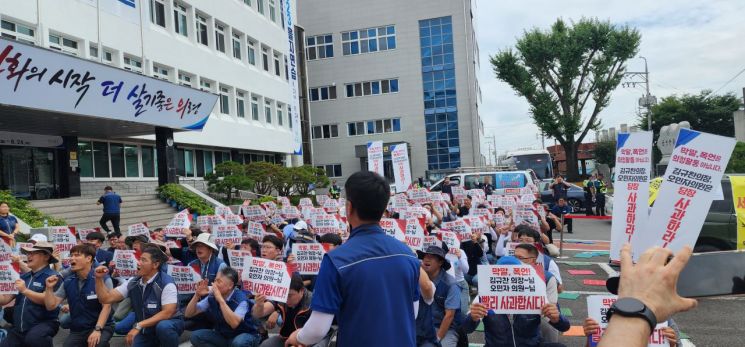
45 175
16 171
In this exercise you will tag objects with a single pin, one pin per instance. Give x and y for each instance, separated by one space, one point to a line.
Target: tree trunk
570 149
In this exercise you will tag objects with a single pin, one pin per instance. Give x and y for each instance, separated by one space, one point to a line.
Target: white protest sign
414 234
233 219
330 205
597 308
284 201
633 165
321 199
459 194
525 216
477 225
62 239
83 233
203 222
431 240
460 227
266 277
238 258
223 211
401 167
180 220
269 206
419 195
227 233
173 231
499 220
393 228
255 231
478 212
8 277
216 221
511 289
375 157
308 257
451 240
138 229
509 247
253 213
688 188
125 263
305 202
290 212
325 224
185 278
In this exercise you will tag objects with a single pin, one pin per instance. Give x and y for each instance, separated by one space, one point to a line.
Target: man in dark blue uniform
111 209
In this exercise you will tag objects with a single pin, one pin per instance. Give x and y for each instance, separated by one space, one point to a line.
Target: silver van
471 178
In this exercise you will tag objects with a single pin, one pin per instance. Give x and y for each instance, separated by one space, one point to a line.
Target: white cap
38 238
300 225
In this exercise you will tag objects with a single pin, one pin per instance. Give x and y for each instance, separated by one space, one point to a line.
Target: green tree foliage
283 180
567 74
706 112
306 175
737 161
228 177
605 153
262 174
23 210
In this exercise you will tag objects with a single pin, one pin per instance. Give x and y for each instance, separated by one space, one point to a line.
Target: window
332 170
158 12
268 111
247 2
149 163
379 126
277 64
272 11
63 44
117 159
224 100
220 37
17 31
160 72
319 47
378 87
132 64
323 93
325 131
260 6
252 52
240 103
184 79
236 45
280 115
254 108
265 58
289 116
92 51
101 159
108 57
179 19
208 168
205 85
368 40
202 36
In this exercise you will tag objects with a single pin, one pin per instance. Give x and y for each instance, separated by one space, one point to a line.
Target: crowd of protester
369 282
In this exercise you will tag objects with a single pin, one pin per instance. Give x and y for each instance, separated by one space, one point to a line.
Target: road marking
609 270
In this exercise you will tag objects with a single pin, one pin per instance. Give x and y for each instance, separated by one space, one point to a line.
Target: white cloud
690 45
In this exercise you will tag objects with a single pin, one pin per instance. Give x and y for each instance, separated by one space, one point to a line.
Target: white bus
538 160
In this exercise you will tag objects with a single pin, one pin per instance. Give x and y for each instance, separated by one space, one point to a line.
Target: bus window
509 180
472 182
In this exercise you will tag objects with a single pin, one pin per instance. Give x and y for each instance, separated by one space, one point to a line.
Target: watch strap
645 313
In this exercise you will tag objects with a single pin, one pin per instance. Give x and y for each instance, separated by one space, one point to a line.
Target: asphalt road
715 322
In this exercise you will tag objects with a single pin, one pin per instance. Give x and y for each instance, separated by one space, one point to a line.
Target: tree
706 112
562 71
262 173
283 180
304 176
605 153
228 177
737 160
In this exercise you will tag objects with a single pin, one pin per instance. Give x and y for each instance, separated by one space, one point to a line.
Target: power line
726 83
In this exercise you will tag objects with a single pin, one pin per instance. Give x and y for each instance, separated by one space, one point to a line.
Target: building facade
235 49
400 72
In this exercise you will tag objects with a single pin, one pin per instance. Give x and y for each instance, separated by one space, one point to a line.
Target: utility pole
646 101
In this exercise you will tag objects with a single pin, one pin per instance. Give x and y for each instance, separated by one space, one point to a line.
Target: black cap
434 250
96 236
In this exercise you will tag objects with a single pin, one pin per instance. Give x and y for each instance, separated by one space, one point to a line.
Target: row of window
367 88
332 170
370 127
257 108
353 42
118 160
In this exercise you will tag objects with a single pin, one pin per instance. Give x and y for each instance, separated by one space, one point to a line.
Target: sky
689 45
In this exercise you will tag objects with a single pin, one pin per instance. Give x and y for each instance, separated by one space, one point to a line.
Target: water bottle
46 223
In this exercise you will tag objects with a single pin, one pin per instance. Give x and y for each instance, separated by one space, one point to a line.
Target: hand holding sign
551 311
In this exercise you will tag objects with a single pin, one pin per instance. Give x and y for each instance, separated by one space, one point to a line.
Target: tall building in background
235 49
396 71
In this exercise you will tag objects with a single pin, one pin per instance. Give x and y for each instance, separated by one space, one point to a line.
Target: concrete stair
84 213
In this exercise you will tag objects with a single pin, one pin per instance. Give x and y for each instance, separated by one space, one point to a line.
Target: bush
25 212
306 175
263 199
737 160
185 198
228 177
295 199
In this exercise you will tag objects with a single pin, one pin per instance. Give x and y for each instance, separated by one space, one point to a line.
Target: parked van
469 178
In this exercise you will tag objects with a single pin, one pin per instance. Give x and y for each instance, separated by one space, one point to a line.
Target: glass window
396 124
189 162
277 65
17 32
260 6
368 40
268 111
202 36
254 108
101 159
179 19
265 58
117 160
208 162
240 104
251 52
158 12
200 163
220 37
236 46
272 11
131 162
319 47
148 161
379 126
85 159
224 101
280 116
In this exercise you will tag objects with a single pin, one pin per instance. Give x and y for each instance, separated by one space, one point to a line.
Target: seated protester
562 209
538 204
526 234
445 310
292 225
671 332
275 229
451 213
474 249
528 253
504 233
464 209
554 224
90 321
459 263
522 330
33 324
334 240
185 253
271 248
207 265
154 297
227 306
294 313
102 256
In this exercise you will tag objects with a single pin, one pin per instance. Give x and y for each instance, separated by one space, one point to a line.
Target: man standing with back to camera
111 209
370 283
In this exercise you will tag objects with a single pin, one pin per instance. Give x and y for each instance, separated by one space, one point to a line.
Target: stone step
39 204
93 209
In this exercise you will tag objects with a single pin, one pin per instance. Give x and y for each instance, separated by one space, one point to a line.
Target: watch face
629 305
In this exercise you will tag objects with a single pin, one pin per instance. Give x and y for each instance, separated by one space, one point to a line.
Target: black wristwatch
630 307
98 328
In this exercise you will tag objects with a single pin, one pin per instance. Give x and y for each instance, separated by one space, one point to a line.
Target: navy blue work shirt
370 283
111 202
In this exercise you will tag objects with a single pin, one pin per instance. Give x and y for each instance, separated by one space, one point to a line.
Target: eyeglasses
268 247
